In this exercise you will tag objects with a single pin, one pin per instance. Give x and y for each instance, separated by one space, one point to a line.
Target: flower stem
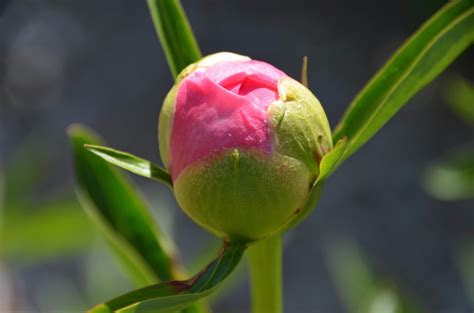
265 262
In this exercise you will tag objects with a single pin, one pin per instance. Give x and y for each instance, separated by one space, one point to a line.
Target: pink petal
220 108
230 72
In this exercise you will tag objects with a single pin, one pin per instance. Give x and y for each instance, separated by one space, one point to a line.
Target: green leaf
423 57
111 200
361 288
131 163
460 96
176 295
352 276
25 169
175 34
21 243
453 177
331 160
235 279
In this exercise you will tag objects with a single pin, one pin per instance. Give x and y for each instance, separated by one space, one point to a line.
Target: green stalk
265 263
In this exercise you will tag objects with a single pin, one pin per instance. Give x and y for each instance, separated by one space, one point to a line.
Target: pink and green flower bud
243 143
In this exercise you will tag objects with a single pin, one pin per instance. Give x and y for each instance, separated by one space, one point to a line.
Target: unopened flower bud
242 142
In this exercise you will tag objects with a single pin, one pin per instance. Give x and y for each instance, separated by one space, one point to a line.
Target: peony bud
242 142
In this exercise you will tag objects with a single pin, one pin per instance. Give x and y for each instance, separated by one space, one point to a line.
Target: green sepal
299 125
164 124
328 165
243 194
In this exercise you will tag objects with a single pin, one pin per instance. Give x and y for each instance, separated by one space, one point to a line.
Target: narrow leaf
131 163
360 287
460 96
175 34
452 178
331 160
355 282
176 295
421 59
120 212
27 237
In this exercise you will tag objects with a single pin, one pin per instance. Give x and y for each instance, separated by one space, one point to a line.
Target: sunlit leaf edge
131 163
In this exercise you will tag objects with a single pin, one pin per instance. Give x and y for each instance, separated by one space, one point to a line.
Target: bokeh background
391 228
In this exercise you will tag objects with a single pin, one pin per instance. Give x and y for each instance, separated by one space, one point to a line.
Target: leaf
360 287
175 34
453 177
331 160
235 279
423 57
176 295
131 163
355 282
120 212
25 169
460 96
19 239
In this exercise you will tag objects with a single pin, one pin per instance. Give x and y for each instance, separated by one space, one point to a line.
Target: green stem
265 262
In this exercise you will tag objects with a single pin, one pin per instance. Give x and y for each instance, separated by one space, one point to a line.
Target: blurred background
394 231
